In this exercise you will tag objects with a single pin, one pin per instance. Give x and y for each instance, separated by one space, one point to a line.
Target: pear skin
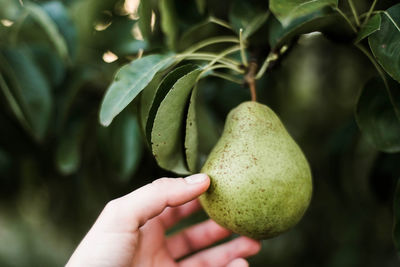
260 179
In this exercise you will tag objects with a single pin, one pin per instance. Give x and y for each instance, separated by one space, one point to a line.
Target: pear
260 179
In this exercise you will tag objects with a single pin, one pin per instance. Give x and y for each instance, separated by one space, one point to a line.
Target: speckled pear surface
260 180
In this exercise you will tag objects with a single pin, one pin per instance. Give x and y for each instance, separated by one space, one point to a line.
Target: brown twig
250 79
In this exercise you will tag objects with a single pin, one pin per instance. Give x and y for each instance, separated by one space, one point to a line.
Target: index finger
130 212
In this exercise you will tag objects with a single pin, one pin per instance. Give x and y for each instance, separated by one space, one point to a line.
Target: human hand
130 231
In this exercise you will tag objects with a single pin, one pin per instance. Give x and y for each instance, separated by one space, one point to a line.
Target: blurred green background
59 167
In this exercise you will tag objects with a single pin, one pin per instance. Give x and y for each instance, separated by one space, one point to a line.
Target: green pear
260 179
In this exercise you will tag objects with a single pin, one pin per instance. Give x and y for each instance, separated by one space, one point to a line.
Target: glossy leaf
317 21
255 24
396 212
369 28
169 23
128 82
49 26
168 127
287 11
243 15
385 42
191 134
376 116
154 99
32 102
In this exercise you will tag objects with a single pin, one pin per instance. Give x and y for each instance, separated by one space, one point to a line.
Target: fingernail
196 179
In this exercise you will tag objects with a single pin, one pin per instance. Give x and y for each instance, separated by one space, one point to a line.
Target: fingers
221 255
196 237
128 213
238 263
171 216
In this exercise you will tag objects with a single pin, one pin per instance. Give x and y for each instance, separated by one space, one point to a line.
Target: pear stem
251 81
252 86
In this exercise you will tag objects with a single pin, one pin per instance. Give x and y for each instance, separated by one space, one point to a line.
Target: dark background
54 183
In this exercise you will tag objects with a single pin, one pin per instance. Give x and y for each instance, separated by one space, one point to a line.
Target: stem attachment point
251 81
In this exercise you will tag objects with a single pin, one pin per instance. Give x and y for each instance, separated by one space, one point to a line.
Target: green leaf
280 35
287 11
168 127
131 146
201 6
155 99
27 91
13 102
49 26
255 24
126 145
210 27
169 23
49 63
385 42
71 88
145 9
68 154
396 211
122 145
65 26
9 9
369 28
118 38
129 81
243 15
128 47
191 134
146 100
376 115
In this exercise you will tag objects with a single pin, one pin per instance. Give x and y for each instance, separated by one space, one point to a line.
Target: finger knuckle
162 181
111 205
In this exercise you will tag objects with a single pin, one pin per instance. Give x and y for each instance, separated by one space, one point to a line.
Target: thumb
128 213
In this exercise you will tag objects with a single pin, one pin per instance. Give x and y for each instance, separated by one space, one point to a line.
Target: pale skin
130 231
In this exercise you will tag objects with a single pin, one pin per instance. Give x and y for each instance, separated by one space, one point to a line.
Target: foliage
179 67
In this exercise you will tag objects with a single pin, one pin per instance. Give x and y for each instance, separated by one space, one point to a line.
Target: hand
130 231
